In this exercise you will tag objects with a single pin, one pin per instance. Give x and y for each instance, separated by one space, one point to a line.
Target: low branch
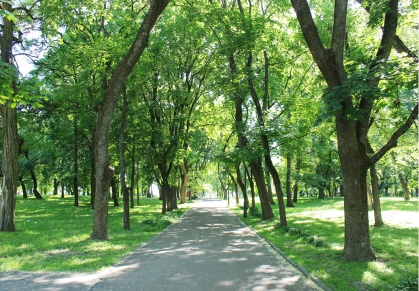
392 142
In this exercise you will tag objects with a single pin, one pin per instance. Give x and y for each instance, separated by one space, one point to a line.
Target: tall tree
352 130
104 171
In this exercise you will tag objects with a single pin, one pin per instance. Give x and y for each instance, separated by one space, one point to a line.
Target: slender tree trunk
124 188
404 187
104 171
22 184
369 196
252 188
114 194
295 197
236 190
288 183
55 186
35 185
185 177
243 189
269 186
76 166
376 197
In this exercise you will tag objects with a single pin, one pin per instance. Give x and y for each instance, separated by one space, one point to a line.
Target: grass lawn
54 235
314 239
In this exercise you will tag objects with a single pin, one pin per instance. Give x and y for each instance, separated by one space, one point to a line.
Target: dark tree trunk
124 188
55 186
172 199
114 195
35 185
295 197
243 189
288 183
76 167
9 166
184 174
236 190
321 192
269 186
252 188
22 184
104 171
376 197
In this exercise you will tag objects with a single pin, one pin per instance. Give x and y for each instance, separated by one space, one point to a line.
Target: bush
256 212
407 284
311 239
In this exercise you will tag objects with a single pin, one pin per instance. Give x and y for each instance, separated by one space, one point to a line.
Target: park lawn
53 235
314 239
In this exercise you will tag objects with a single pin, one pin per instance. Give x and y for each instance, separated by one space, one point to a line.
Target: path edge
306 273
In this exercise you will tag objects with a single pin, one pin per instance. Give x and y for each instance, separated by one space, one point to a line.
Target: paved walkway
207 249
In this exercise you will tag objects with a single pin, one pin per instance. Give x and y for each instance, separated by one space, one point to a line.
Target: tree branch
392 142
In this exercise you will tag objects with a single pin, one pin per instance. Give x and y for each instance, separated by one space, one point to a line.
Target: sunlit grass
54 235
395 244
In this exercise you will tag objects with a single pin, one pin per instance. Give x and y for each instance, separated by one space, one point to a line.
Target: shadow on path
209 248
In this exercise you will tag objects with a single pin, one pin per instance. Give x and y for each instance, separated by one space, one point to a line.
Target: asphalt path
208 248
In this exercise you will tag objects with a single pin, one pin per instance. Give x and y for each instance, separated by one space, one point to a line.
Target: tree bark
184 180
404 187
252 188
243 189
236 190
105 113
124 188
9 166
76 166
288 183
376 197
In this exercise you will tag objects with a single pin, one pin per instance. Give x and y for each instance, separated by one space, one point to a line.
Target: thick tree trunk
55 187
92 172
376 197
9 166
321 192
104 171
357 245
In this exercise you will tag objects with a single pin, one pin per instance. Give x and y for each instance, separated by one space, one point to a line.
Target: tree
352 130
104 171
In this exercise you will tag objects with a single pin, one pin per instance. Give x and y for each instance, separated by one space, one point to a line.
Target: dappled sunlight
380 267
401 219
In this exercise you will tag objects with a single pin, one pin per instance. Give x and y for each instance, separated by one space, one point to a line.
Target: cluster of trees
127 93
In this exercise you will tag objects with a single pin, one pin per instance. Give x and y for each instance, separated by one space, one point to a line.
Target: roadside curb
300 268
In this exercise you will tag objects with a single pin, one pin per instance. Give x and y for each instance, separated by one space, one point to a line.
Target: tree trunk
269 185
22 184
243 189
236 189
9 166
76 167
252 188
35 185
104 171
297 169
288 183
376 197
114 195
184 180
357 245
321 192
404 187
369 196
124 188
55 186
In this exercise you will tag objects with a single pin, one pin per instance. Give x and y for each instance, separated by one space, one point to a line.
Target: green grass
54 235
315 235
